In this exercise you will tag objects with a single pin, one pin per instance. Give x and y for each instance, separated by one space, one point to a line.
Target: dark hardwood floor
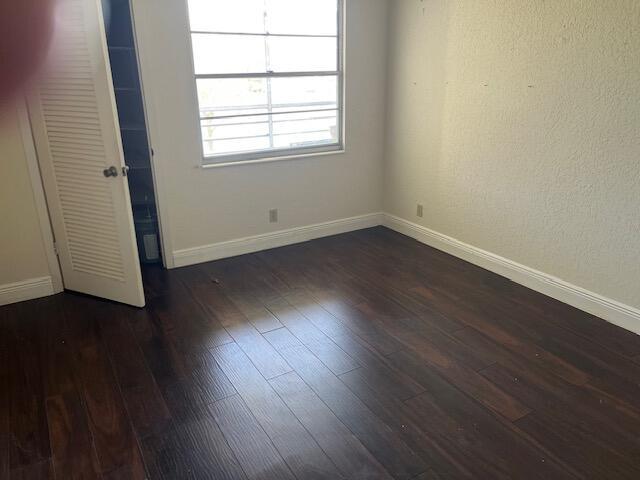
360 356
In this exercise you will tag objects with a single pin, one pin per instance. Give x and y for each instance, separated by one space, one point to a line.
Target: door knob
110 172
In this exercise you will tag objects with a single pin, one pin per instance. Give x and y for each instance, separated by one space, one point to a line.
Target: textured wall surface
22 254
517 124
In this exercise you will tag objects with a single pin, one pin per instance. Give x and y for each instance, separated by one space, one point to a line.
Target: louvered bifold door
76 131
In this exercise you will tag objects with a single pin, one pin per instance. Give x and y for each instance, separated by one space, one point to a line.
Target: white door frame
161 197
39 197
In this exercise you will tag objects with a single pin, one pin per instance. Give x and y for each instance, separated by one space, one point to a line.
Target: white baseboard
256 243
615 312
610 310
26 290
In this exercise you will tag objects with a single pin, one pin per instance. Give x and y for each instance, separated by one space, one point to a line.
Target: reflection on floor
360 356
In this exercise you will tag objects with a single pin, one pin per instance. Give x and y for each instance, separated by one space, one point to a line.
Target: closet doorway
89 131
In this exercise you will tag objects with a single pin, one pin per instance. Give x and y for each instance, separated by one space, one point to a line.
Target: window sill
337 151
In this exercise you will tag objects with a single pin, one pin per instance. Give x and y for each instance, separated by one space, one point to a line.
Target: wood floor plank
302 454
259 316
331 326
366 326
470 382
592 459
415 332
57 355
362 355
430 475
432 449
124 351
495 445
390 450
142 398
494 315
71 442
261 353
579 322
320 324
188 397
596 419
42 470
387 274
5 392
335 358
245 278
109 422
593 402
608 371
107 416
342 447
527 352
194 450
164 361
28 423
378 370
296 323
134 470
5 440
147 409
186 323
281 338
282 265
441 360
253 449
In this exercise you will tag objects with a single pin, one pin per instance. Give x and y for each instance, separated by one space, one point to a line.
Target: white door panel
76 131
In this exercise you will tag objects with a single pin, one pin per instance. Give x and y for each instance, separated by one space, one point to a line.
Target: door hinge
55 248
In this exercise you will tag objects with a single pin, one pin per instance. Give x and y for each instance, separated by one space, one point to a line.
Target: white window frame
283 153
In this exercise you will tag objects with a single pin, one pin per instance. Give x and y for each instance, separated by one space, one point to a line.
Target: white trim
26 290
39 197
226 159
144 72
615 312
240 246
339 150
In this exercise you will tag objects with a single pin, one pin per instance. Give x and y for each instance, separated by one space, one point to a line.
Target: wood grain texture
194 449
344 449
361 356
71 442
255 452
303 455
395 455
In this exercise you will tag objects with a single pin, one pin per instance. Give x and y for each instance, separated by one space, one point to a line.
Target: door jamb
39 196
161 198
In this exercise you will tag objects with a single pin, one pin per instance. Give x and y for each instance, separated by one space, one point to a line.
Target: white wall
517 124
207 206
24 268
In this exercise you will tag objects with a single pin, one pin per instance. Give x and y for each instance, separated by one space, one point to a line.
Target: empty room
319 239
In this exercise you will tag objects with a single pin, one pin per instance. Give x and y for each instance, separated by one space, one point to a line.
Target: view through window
268 76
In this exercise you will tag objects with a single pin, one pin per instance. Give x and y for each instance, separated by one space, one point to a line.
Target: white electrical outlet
273 215
420 211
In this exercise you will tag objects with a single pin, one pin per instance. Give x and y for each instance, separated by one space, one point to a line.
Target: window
268 76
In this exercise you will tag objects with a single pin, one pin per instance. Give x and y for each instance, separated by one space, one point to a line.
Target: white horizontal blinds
267 75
